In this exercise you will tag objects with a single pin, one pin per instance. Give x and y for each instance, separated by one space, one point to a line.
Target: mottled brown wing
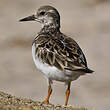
63 52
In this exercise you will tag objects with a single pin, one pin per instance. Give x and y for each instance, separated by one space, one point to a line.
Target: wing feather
63 52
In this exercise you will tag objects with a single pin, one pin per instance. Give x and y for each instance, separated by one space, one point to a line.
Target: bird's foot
45 102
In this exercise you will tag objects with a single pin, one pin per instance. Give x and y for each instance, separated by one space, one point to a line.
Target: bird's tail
87 70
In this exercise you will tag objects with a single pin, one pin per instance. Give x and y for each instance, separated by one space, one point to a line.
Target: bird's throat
50 28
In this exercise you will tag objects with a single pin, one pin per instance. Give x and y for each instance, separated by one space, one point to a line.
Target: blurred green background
87 21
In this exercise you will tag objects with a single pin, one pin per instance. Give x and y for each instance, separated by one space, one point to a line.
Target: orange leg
49 93
67 94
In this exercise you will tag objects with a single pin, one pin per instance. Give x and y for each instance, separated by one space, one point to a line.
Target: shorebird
56 55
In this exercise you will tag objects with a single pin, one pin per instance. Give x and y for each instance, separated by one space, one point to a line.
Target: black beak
29 18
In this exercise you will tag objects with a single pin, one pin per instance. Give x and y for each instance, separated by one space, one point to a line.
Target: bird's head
46 15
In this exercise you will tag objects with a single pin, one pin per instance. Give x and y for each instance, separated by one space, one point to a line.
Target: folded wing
63 53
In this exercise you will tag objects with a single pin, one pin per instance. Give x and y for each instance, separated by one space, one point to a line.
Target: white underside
52 72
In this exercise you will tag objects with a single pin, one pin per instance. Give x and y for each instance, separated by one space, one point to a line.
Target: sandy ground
88 22
9 102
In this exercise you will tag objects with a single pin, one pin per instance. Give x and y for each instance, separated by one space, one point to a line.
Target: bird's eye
42 13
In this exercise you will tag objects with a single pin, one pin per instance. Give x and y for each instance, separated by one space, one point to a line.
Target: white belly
50 72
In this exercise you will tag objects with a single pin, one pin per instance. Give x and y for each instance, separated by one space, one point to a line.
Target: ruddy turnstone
56 55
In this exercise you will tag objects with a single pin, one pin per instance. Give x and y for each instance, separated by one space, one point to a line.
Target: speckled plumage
56 55
56 49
